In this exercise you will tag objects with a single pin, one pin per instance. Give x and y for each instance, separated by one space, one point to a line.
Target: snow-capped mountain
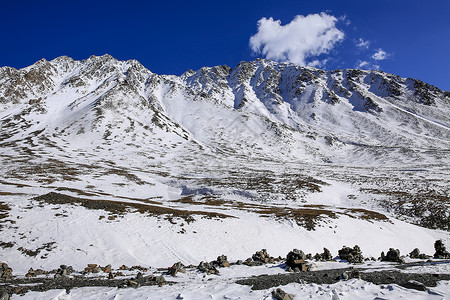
259 108
104 161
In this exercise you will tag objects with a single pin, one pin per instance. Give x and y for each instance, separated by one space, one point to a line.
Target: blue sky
170 37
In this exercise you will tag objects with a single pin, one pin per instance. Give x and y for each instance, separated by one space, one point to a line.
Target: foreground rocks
65 277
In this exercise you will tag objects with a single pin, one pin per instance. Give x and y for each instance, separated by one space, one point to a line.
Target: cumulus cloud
380 55
303 38
363 44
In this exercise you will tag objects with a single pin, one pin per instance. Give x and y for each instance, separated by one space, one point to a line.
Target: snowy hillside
105 162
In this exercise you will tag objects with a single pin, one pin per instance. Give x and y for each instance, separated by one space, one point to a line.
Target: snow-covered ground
218 161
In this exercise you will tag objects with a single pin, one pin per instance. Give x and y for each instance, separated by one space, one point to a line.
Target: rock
351 255
441 251
239 262
110 275
140 277
106 269
392 255
160 280
416 285
279 294
415 253
325 256
263 256
4 296
133 283
355 274
207 268
296 260
31 273
5 271
177 267
345 276
222 261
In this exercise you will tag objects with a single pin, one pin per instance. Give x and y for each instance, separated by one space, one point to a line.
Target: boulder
279 294
4 295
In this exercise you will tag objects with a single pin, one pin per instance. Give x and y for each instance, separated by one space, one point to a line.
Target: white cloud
362 64
365 65
303 38
380 55
363 44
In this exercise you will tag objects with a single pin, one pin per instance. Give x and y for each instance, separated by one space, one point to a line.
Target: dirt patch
120 208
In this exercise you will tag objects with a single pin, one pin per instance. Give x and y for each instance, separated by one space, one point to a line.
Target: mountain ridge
294 106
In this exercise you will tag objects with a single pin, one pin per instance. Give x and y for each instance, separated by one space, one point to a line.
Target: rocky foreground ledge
297 266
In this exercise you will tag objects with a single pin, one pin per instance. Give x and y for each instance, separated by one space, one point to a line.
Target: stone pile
352 255
222 261
325 256
140 280
177 267
295 260
5 271
441 252
207 268
416 254
392 255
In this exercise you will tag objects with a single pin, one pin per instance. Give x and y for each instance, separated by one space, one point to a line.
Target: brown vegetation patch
305 217
118 207
430 207
4 209
33 253
365 214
